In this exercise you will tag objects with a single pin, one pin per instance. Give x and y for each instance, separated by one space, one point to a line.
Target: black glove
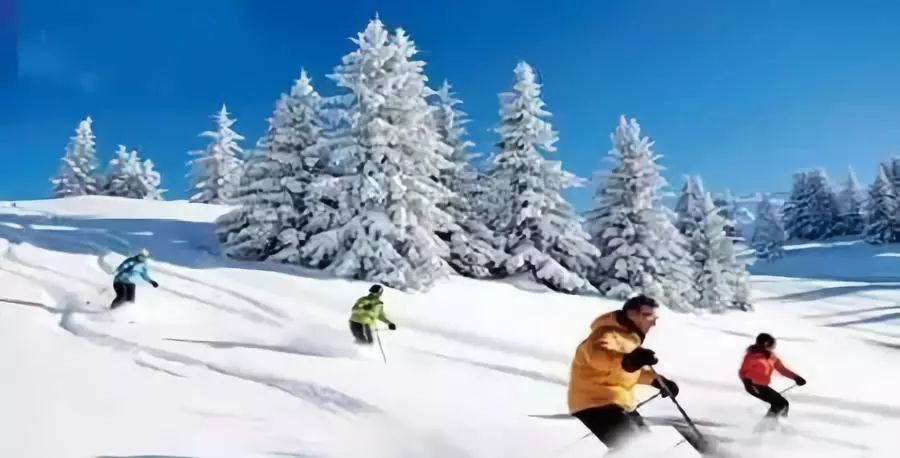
154 283
639 358
392 326
800 381
672 386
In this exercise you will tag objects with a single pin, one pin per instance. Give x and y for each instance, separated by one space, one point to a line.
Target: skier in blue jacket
127 274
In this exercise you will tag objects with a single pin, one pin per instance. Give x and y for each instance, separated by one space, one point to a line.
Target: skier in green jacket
365 313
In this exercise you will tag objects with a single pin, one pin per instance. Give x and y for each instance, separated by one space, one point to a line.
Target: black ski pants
611 423
778 405
124 293
361 332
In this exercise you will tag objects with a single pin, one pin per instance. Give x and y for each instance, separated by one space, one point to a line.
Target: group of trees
126 175
816 211
378 182
214 172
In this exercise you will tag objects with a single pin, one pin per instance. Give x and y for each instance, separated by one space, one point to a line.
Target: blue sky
742 93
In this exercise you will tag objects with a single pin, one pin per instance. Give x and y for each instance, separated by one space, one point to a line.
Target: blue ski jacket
130 270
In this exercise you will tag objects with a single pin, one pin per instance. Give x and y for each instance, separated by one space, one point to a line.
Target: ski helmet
765 339
144 253
376 289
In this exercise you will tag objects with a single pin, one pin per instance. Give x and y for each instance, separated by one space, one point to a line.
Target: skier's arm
609 347
783 370
381 316
145 275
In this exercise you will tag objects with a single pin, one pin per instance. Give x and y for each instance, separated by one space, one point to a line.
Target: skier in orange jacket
607 366
756 373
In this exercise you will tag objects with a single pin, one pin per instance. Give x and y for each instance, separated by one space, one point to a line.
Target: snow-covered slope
231 359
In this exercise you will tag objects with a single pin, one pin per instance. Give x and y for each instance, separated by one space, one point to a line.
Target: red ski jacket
758 366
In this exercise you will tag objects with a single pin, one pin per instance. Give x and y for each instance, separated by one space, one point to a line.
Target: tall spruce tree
641 251
540 231
216 170
388 159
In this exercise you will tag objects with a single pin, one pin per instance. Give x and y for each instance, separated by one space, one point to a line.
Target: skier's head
765 341
641 310
143 254
376 290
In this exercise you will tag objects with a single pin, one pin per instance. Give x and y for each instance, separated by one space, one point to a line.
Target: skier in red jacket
756 373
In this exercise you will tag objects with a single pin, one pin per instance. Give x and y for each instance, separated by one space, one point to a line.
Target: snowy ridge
238 359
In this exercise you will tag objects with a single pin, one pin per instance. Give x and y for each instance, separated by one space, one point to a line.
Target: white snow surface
230 359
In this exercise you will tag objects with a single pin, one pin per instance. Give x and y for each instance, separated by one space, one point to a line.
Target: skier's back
128 272
366 312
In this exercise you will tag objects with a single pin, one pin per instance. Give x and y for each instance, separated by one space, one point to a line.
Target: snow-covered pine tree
689 205
852 204
641 249
710 249
823 206
883 215
768 235
274 194
78 174
390 157
128 176
216 170
892 169
474 249
794 210
721 277
812 212
539 229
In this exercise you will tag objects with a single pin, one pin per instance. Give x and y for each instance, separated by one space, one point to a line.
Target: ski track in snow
102 253
67 305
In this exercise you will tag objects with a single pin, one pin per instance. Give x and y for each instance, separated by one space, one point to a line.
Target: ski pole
665 388
780 392
380 347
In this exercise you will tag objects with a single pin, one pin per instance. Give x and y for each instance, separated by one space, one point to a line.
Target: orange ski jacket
597 378
758 366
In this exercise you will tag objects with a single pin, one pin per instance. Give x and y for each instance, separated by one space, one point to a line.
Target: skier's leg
778 404
368 333
361 332
357 330
611 424
129 292
119 288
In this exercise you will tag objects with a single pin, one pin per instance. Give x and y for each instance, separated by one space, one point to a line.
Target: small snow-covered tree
274 194
852 202
128 176
711 248
216 170
689 207
78 174
474 250
882 217
540 231
768 235
641 250
389 158
721 277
